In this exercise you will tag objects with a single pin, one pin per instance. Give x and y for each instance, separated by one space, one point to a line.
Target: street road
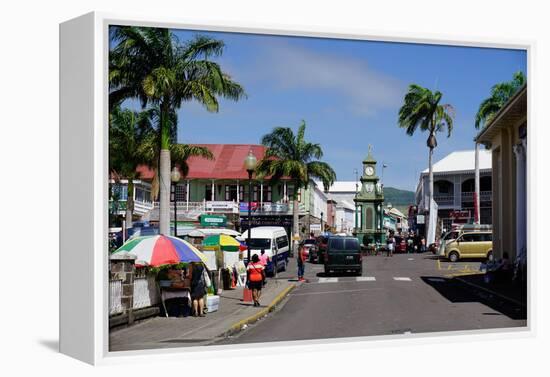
406 293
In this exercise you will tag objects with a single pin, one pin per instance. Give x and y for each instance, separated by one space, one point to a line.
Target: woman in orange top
255 274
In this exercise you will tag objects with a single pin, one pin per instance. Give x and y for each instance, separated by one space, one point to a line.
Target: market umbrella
196 233
160 249
222 242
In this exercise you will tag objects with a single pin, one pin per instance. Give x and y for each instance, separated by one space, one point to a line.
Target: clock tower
369 200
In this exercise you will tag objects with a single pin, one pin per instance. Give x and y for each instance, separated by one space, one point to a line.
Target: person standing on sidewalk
198 289
264 259
255 274
301 262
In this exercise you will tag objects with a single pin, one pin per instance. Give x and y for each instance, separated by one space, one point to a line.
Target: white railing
484 196
444 200
115 297
145 292
194 209
142 207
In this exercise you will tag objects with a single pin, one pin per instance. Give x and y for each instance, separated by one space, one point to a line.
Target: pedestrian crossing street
349 279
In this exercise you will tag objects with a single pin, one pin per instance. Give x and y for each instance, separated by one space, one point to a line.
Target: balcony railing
194 209
484 196
444 200
449 200
140 207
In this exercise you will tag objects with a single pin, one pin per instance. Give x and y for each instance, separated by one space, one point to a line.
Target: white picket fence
115 297
145 292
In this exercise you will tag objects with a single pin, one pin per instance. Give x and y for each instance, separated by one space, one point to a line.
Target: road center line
401 279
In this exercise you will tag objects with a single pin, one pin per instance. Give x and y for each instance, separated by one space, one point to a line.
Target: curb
253 318
516 302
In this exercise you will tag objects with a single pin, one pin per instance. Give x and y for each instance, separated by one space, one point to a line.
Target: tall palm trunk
295 220
164 171
430 179
477 210
130 204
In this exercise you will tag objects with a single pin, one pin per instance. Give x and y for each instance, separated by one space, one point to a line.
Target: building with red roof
220 186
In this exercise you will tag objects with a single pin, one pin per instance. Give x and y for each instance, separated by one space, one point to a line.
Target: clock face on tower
369 170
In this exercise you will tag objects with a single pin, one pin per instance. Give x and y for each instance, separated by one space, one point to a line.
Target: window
487 236
336 244
444 187
244 193
267 193
343 244
208 192
260 243
352 244
181 193
231 193
468 185
282 242
485 183
473 237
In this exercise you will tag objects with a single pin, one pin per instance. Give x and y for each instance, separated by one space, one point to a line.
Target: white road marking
402 279
410 259
365 278
328 280
336 291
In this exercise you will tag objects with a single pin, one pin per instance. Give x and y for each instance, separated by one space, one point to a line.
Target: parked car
343 254
470 245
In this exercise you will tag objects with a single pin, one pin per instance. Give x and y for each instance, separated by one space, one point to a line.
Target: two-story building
506 137
454 187
220 186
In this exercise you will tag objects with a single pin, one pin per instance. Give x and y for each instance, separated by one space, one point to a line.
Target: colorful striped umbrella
160 249
222 242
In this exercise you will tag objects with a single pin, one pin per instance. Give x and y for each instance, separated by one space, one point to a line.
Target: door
466 245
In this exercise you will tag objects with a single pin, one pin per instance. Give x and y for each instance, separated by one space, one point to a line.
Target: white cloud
364 89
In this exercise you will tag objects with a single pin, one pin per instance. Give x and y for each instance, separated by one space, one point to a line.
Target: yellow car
470 245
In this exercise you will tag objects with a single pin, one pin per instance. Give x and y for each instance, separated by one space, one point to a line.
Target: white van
272 239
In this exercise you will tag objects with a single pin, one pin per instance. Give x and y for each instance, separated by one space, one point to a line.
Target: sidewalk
162 332
513 293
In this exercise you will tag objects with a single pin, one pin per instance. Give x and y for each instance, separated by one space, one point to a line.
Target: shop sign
460 214
213 220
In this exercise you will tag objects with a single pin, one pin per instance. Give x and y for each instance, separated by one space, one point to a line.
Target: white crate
212 303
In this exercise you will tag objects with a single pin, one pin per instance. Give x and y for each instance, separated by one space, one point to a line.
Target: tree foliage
422 109
290 155
500 94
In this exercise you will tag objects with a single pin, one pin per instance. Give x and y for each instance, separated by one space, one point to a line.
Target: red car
308 246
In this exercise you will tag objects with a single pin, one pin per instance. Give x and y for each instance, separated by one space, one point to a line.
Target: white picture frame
83 171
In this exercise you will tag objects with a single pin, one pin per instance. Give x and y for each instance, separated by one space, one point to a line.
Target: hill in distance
400 199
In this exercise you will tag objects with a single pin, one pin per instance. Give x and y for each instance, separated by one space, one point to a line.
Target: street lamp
175 177
250 165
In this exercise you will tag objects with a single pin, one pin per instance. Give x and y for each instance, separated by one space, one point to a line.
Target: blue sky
349 94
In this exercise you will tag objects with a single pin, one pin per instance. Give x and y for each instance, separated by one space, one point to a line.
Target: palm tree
290 155
422 109
500 94
130 138
151 65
